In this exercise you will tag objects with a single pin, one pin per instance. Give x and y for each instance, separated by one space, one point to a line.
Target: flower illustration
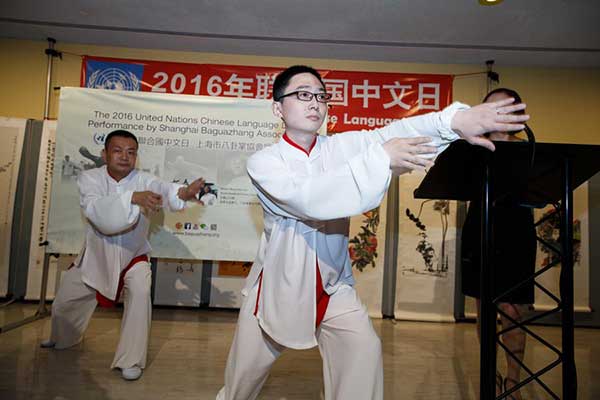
363 247
549 231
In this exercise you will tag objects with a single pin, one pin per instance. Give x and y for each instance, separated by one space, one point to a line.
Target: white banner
178 283
181 138
426 256
12 133
39 221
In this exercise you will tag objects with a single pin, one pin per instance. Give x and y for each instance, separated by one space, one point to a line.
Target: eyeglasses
303 95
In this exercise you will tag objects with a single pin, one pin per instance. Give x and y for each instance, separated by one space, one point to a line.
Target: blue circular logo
99 138
113 79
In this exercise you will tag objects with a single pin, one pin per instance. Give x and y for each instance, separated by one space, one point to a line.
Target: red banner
361 100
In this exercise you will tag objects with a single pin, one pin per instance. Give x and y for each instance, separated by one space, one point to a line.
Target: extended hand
149 200
407 154
488 117
189 192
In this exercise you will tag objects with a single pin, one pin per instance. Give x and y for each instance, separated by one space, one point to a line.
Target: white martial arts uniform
307 200
116 233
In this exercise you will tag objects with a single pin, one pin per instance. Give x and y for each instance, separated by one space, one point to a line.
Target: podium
532 174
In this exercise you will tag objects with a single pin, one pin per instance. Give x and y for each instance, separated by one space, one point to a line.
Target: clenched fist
148 200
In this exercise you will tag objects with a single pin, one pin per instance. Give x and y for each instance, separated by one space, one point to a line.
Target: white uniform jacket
117 231
307 201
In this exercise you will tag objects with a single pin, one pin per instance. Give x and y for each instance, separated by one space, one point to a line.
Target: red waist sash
105 301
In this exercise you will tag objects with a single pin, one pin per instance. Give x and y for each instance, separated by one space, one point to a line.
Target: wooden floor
188 349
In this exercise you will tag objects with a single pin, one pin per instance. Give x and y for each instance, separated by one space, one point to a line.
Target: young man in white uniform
69 169
299 293
116 199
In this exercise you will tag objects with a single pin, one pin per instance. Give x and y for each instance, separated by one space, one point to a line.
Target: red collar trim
294 144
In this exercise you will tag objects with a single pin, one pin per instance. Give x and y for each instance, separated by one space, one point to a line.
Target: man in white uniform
207 197
116 199
69 169
299 293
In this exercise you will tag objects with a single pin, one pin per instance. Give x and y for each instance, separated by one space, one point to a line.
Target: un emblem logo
113 79
99 138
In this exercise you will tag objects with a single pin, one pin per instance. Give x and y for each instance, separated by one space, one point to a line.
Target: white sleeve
109 214
355 186
167 190
436 125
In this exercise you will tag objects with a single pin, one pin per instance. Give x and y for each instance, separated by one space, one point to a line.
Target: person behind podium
300 291
512 263
116 200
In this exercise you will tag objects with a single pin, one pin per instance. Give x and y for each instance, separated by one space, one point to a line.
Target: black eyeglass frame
327 99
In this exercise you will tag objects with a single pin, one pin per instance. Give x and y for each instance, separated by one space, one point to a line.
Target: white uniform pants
74 305
349 346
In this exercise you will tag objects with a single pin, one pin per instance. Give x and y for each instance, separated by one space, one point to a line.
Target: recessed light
489 2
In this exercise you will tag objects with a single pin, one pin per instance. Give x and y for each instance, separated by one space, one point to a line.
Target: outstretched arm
443 127
174 195
350 188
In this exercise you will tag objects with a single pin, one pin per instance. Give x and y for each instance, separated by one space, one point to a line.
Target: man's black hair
119 133
283 79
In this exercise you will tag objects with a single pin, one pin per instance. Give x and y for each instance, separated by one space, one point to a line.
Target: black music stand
545 173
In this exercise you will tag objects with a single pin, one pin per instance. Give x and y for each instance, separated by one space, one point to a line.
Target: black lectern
531 174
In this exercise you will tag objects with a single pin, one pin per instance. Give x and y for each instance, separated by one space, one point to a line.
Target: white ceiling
557 33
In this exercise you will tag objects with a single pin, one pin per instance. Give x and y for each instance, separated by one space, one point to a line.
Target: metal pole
390 261
569 373
487 364
491 75
42 310
154 272
459 298
206 284
50 53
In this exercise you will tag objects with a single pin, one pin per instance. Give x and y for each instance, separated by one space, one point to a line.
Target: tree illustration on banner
363 246
424 247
